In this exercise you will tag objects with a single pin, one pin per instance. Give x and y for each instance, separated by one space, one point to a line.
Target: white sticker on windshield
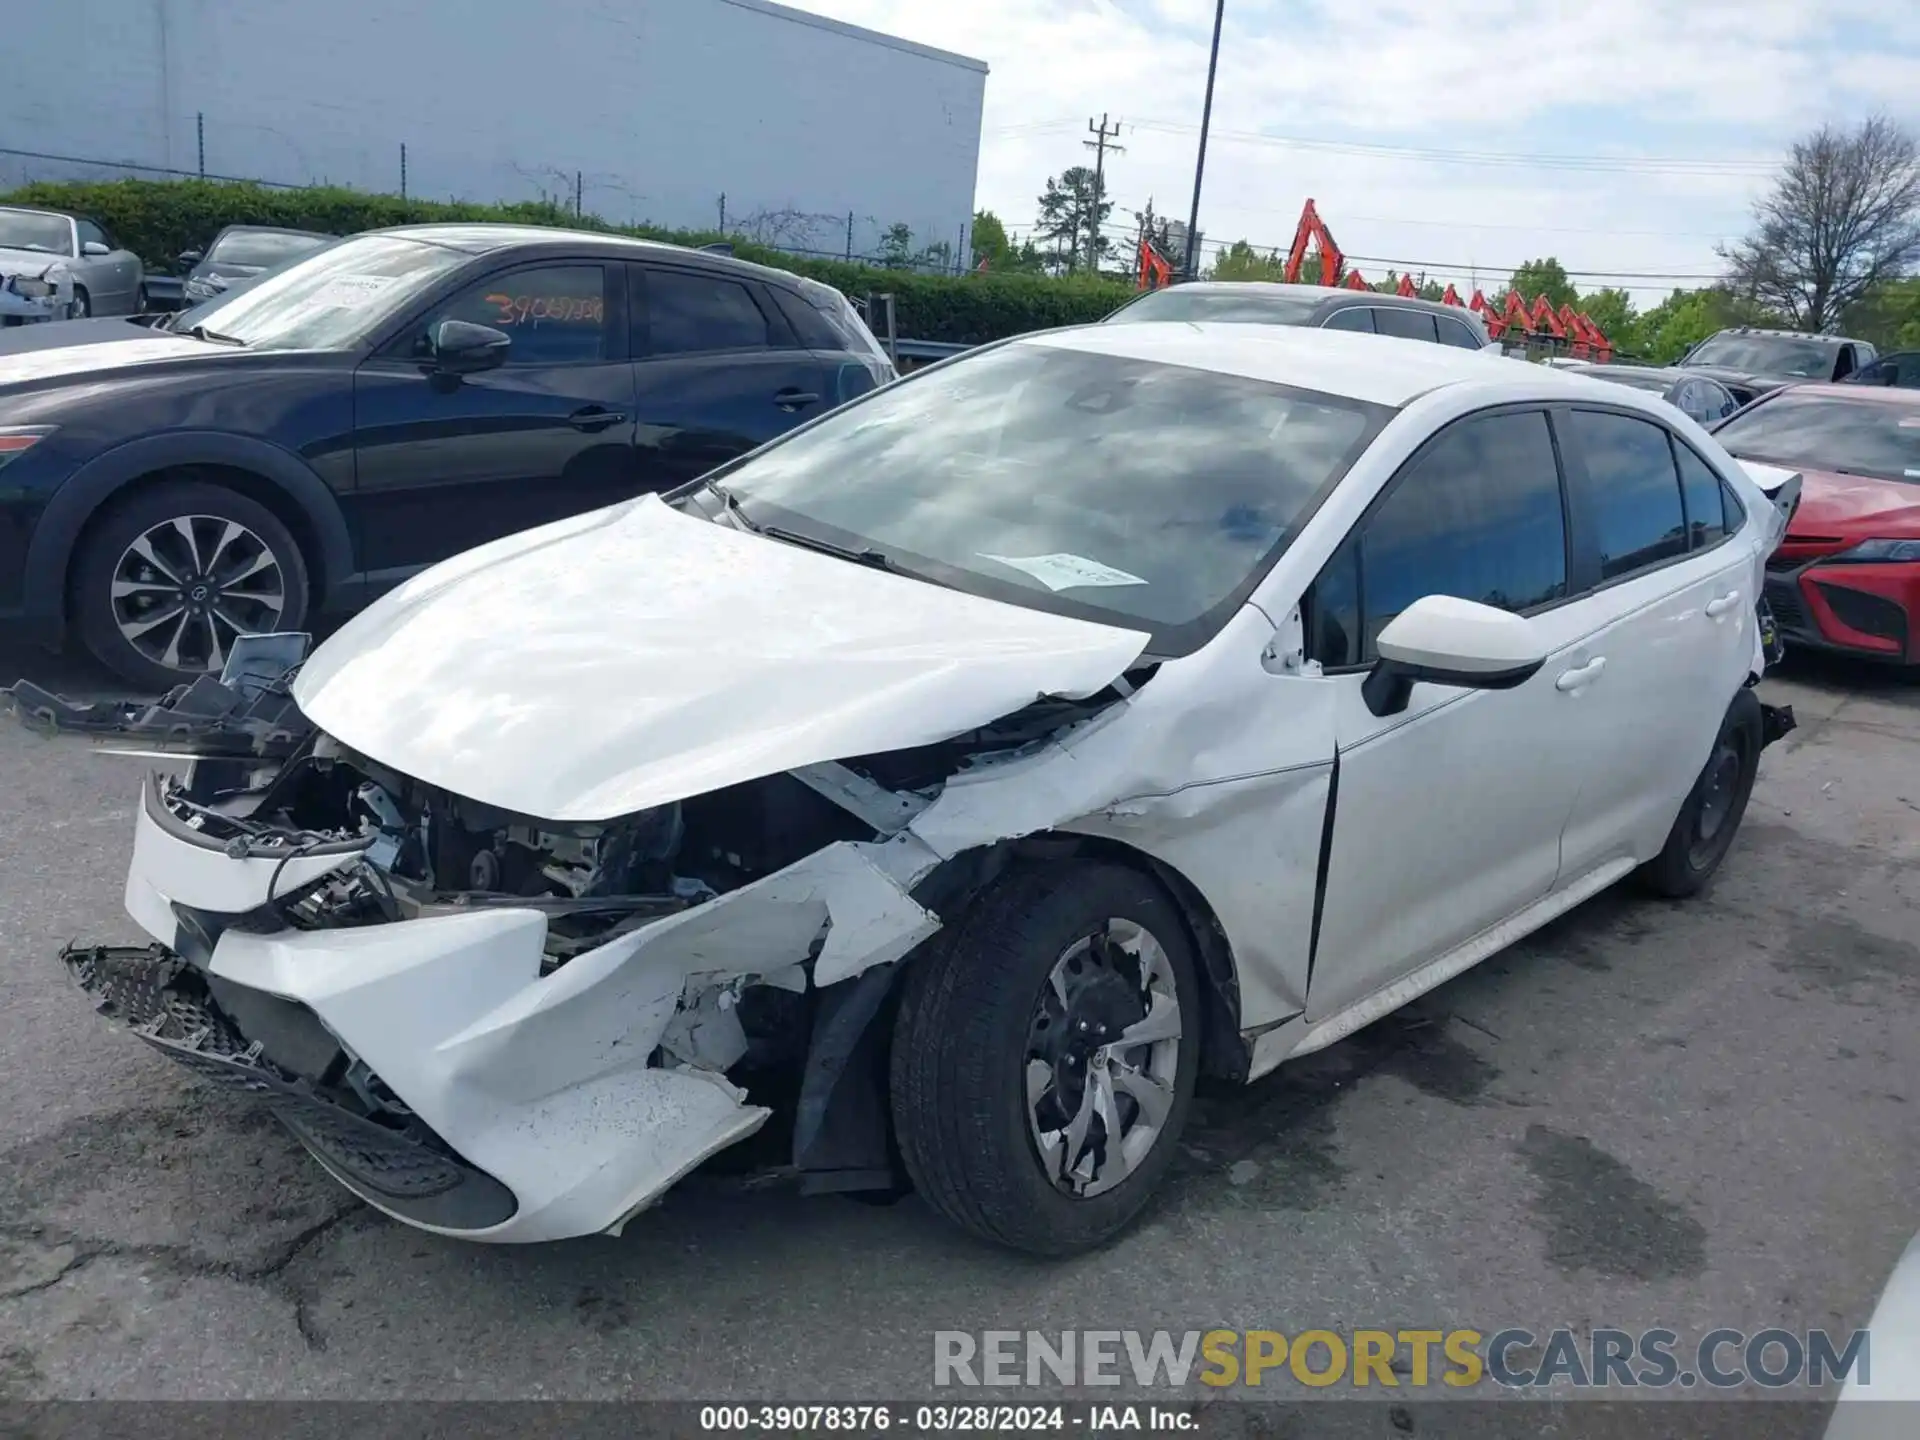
1065 572
346 292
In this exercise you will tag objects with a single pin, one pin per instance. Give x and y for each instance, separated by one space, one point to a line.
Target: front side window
1405 324
1457 333
91 234
1634 492
335 298
1138 494
26 230
1477 514
1866 436
1354 317
555 314
688 313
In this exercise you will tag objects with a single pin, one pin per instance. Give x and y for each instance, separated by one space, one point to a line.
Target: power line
1638 164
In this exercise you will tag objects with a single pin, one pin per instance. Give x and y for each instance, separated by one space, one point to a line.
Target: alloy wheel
1103 1054
183 590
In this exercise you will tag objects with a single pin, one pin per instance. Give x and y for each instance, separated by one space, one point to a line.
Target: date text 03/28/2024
923 1419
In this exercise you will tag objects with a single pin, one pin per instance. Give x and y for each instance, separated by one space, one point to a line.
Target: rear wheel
1045 1055
166 581
1704 829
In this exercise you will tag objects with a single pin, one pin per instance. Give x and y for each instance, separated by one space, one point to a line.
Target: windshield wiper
201 332
732 502
865 555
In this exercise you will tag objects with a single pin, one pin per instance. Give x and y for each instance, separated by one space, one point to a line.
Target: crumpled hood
637 655
28 262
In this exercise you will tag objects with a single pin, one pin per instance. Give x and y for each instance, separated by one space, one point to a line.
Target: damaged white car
957 778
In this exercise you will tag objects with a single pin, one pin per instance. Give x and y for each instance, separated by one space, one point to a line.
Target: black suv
1753 362
1266 302
294 448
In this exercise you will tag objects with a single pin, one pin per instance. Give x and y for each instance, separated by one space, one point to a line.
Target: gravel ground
1691 1115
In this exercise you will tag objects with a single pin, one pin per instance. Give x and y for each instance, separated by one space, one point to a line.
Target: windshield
1807 359
1145 495
1654 383
1184 302
1821 432
333 299
265 248
23 230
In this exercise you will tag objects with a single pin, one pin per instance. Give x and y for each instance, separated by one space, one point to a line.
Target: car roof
37 210
1279 289
1833 340
1662 372
1378 369
481 238
1872 394
278 230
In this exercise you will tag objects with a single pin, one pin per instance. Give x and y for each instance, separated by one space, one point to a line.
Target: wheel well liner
265 472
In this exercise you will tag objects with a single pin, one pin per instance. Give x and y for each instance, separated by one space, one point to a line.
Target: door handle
1717 608
793 399
595 417
1583 676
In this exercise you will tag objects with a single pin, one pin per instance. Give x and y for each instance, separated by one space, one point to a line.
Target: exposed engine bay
336 845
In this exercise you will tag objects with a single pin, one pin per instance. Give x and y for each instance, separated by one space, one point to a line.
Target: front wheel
171 576
1704 829
1045 1054
81 306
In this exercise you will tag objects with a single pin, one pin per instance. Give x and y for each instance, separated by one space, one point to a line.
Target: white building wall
658 107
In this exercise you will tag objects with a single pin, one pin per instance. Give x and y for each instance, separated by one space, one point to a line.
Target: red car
1847 575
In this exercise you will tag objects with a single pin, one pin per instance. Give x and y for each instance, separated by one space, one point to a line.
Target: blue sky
1624 136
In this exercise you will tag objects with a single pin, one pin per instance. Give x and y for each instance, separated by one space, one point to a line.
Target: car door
111 274
445 462
1447 816
717 370
1680 640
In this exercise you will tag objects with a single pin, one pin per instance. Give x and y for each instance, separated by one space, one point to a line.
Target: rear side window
1407 324
1477 514
1354 317
808 323
1457 333
687 313
1635 499
1700 489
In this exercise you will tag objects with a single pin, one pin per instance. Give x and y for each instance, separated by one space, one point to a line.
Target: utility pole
1100 144
1206 121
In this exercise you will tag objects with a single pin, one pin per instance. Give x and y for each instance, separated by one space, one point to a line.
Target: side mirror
460 347
187 259
94 249
1448 641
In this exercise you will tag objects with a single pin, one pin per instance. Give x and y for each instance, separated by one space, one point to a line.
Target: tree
1614 313
896 247
1543 277
1843 218
1888 317
990 240
1072 210
1240 261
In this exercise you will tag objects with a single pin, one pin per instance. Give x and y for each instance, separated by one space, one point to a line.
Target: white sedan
960 777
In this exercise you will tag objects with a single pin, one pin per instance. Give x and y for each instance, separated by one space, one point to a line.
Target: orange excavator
1516 318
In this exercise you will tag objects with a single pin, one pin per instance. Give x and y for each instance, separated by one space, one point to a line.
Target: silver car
55 266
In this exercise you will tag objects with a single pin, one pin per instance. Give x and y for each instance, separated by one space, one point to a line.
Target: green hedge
160 218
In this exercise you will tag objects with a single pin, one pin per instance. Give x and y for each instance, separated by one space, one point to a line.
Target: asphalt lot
1692 1115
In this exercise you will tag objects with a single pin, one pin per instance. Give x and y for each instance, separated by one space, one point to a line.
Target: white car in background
55 266
999 751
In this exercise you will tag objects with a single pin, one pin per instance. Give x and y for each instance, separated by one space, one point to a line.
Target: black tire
1704 829
97 620
82 306
960 1051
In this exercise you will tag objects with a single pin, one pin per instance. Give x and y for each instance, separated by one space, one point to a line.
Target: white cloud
1651 78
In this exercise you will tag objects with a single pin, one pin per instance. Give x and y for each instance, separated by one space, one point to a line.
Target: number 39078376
532 309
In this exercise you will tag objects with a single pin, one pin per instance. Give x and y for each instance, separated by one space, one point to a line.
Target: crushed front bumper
438 1068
